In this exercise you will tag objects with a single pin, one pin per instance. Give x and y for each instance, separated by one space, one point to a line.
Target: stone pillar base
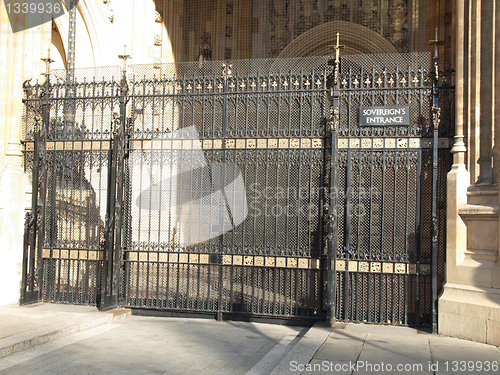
471 313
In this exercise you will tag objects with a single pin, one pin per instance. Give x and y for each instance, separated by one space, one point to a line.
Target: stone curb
25 340
304 350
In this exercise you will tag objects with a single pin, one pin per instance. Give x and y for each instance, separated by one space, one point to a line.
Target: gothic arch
356 38
57 42
91 33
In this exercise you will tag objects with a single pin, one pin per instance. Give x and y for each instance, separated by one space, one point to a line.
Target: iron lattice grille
384 192
262 123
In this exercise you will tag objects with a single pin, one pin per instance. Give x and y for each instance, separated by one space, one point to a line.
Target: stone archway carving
356 38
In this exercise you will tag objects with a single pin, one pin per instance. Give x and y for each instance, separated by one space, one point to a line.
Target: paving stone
344 350
465 353
321 366
161 345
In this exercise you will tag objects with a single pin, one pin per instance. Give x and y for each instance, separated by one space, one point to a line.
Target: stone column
470 304
486 87
496 128
458 177
20 61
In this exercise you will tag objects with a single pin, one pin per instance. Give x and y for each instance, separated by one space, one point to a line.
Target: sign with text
395 115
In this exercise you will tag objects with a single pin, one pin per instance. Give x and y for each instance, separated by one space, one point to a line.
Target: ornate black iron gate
71 150
385 182
203 194
225 181
225 189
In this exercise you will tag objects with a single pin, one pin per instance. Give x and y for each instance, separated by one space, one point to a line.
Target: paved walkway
62 339
370 349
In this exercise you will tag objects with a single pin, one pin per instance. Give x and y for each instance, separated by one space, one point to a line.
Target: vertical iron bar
42 190
406 257
434 229
177 284
418 220
198 285
109 229
231 292
275 301
52 225
285 291
31 227
222 205
68 281
370 243
28 232
296 287
347 229
332 215
70 73
122 154
332 209
114 212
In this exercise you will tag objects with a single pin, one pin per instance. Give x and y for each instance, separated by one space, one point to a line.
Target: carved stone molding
309 17
158 40
111 13
448 17
398 13
158 17
205 48
281 35
279 18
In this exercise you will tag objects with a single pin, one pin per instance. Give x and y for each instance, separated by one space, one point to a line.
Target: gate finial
124 57
226 70
337 49
47 60
436 43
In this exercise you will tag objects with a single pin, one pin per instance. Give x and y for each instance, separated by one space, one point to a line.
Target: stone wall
470 305
20 61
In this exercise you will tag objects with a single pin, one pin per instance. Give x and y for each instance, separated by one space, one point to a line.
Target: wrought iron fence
223 188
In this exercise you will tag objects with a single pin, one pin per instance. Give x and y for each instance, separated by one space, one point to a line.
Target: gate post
436 113
34 228
332 209
114 213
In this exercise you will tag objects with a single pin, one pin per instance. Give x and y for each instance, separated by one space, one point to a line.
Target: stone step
48 332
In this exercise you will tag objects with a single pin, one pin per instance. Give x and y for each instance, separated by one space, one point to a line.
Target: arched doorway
356 38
